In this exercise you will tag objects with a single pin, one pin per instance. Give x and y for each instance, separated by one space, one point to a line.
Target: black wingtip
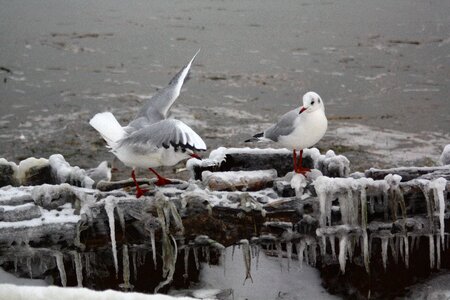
255 137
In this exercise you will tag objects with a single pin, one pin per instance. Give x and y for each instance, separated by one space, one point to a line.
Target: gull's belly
158 158
306 133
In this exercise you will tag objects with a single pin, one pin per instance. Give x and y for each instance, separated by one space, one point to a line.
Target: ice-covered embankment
56 226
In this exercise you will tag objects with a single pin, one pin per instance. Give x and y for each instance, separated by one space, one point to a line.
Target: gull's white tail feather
108 126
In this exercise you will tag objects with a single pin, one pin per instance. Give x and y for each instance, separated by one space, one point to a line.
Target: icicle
438 252
307 254
289 254
406 242
280 254
121 218
325 208
333 245
365 250
350 248
313 247
30 270
430 210
60 264
87 264
393 243
384 249
152 239
300 247
169 255
126 269
431 246
438 186
133 259
431 243
78 268
400 245
343 241
197 265
110 204
323 245
247 259
186 262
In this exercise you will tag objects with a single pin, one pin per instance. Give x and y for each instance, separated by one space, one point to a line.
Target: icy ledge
12 292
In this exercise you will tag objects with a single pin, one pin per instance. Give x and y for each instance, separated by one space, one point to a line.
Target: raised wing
157 107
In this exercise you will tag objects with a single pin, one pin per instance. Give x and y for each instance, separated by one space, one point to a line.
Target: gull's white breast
309 129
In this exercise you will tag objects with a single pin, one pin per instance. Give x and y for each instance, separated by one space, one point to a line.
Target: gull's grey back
283 127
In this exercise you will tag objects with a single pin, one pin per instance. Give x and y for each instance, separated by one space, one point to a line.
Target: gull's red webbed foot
161 180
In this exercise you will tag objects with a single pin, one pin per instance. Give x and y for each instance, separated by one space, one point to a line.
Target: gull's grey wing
164 133
285 126
157 107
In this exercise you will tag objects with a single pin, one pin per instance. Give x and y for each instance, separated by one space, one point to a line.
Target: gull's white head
311 102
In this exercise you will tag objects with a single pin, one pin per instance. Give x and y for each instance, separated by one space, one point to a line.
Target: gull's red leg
295 160
161 180
139 191
300 168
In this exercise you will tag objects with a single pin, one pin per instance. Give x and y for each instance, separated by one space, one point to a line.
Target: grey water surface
382 68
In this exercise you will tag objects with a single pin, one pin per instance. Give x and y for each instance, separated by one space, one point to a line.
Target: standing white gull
299 128
151 140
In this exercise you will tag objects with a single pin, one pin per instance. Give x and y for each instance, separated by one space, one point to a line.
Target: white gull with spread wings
151 140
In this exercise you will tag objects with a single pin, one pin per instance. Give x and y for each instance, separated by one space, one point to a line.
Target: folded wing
164 133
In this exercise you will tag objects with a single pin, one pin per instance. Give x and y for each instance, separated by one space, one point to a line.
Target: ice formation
126 269
110 204
166 212
240 180
78 267
445 156
359 197
298 183
60 264
247 259
63 172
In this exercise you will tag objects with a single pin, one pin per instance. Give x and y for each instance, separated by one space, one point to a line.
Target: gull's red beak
302 109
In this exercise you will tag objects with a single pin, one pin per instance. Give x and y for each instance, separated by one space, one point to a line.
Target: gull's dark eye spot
312 102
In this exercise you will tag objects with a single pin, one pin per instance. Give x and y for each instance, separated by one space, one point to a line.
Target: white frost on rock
63 172
330 163
445 156
29 163
238 180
